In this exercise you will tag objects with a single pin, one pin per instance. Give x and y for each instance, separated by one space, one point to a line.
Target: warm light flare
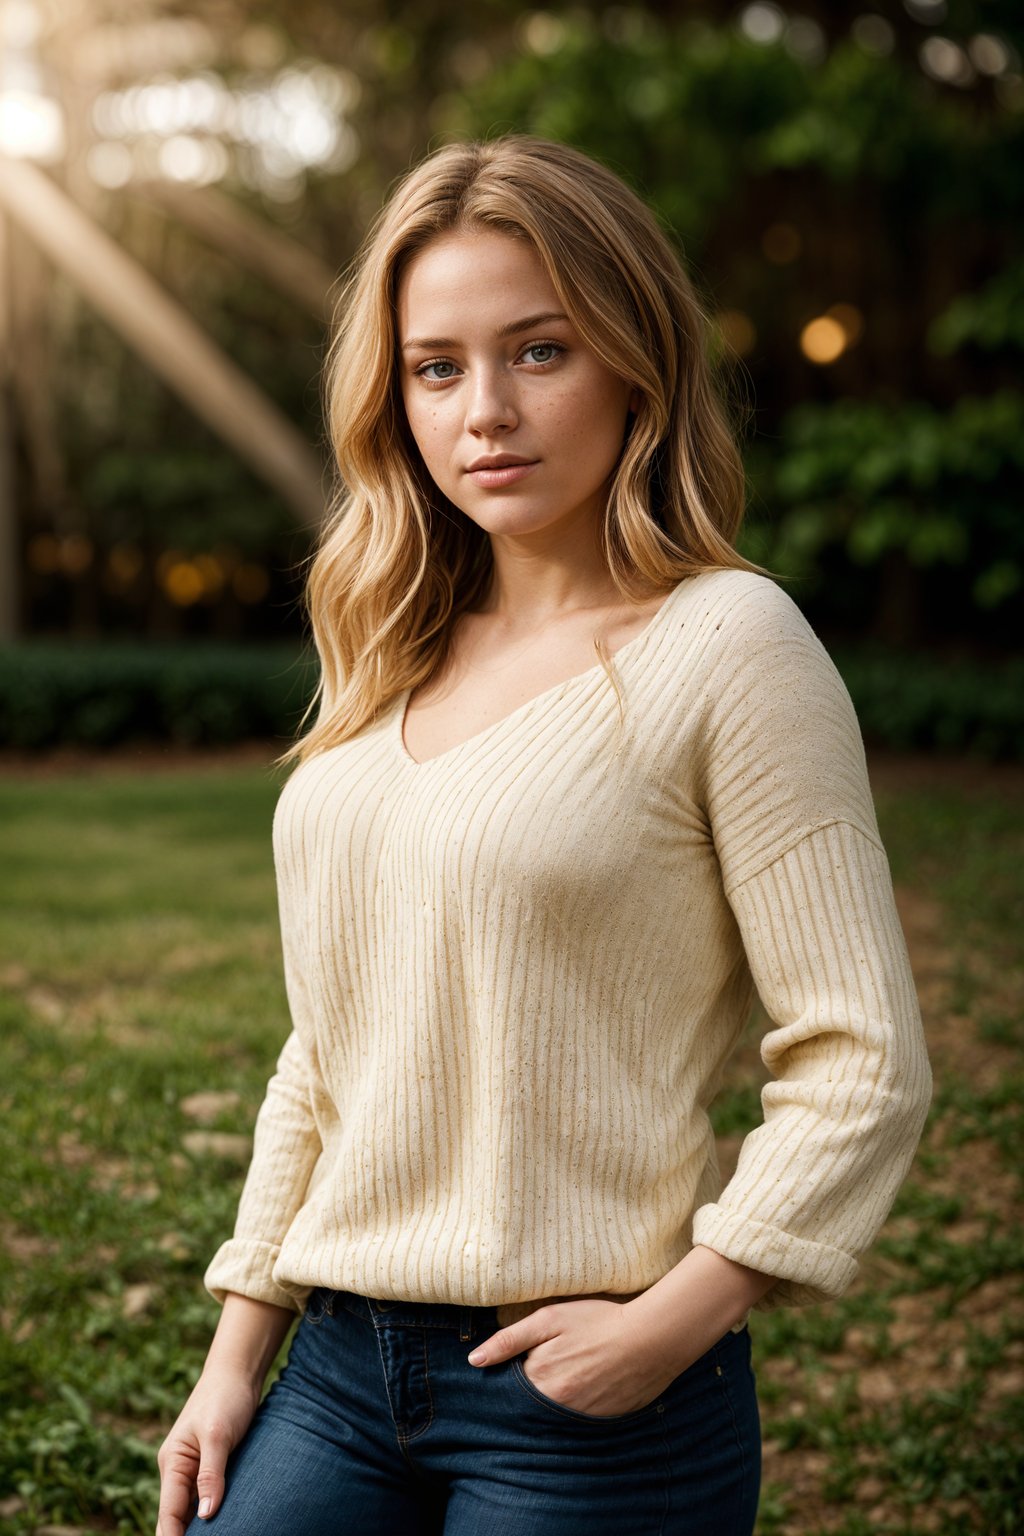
183 582
31 127
823 340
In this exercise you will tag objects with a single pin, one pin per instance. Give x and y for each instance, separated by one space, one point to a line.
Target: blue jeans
379 1426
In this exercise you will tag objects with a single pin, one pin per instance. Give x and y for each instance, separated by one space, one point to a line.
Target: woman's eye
423 371
545 346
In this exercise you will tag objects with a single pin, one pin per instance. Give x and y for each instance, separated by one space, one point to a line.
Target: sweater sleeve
286 1146
809 884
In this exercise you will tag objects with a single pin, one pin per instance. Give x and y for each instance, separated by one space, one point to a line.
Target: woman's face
490 368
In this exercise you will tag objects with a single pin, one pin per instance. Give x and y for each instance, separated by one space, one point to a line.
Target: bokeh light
182 581
762 22
278 127
929 12
946 61
542 33
823 340
31 126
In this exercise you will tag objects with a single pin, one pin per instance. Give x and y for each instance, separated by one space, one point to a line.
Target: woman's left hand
587 1354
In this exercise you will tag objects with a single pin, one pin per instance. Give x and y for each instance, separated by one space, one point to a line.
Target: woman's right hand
192 1459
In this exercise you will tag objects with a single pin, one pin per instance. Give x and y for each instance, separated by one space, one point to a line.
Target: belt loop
465 1324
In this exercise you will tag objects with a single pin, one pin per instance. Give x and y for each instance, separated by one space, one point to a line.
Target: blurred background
180 186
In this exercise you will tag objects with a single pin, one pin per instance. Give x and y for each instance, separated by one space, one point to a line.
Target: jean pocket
319 1304
735 1350
552 1405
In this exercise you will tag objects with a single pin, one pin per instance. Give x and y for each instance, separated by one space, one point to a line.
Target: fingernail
204 1508
477 1356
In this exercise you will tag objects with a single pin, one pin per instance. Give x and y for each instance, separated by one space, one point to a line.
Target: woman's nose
491 406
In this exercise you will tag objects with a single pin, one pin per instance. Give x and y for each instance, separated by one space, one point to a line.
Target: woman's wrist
248 1337
694 1304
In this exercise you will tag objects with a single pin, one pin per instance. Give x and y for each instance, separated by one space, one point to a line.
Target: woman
525 899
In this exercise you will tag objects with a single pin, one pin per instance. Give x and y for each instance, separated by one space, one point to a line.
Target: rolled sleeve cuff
807 1272
247 1268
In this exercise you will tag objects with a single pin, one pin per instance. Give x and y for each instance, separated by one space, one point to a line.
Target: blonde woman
526 896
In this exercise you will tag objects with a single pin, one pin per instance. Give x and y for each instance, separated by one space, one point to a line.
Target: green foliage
678 109
737 1111
910 700
878 168
59 1461
692 110
106 693
991 317
862 478
145 472
189 497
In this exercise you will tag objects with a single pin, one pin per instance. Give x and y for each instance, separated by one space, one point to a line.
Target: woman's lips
495 478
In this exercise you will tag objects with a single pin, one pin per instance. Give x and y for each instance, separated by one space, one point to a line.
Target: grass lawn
140 966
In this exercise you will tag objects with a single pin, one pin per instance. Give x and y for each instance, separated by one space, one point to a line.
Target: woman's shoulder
762 674
776 745
745 594
745 613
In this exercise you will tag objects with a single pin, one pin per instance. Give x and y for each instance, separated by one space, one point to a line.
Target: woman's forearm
248 1336
692 1306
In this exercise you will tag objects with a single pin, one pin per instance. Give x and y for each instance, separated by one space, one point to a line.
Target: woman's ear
636 400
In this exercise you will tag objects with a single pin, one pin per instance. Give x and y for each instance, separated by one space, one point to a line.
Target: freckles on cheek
431 440
430 434
423 416
574 418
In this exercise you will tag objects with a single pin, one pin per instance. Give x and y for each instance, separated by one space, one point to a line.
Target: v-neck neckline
624 652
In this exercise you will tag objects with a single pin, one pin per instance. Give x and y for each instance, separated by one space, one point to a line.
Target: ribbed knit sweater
516 972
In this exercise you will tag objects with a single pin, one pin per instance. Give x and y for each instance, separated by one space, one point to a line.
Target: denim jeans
379 1426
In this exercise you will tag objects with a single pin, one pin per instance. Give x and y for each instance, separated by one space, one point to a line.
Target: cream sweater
516 972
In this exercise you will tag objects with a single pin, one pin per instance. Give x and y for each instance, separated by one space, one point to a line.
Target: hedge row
912 701
101 694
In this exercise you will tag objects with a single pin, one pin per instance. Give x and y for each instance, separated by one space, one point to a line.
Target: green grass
140 963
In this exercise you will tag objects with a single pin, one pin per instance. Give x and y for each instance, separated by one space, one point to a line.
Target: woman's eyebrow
431 343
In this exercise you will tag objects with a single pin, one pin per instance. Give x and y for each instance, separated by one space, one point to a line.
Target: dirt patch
899 772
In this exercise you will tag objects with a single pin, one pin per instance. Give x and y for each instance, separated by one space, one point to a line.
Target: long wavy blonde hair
396 563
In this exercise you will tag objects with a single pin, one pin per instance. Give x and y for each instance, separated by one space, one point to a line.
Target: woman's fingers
210 1478
177 1489
194 1457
